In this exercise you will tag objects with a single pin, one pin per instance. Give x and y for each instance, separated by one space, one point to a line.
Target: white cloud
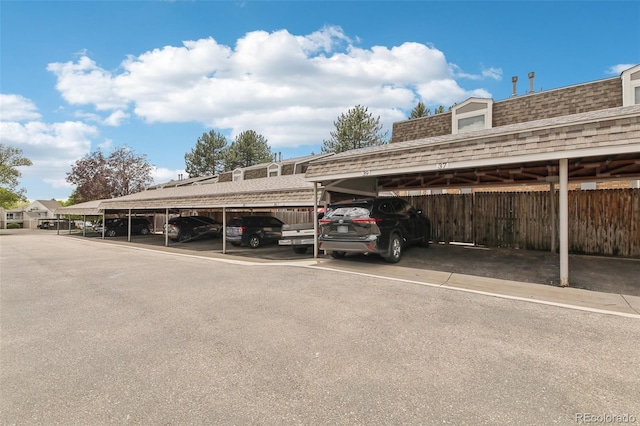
288 88
58 183
618 69
51 147
161 175
17 108
485 73
447 93
116 118
84 82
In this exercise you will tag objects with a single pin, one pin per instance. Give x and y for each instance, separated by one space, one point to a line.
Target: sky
153 76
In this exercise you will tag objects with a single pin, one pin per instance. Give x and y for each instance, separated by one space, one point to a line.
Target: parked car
253 231
383 225
47 225
120 226
186 228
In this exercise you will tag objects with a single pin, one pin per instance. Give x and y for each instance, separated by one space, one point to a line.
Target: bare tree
130 173
98 177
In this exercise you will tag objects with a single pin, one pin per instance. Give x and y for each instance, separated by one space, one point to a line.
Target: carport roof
603 144
280 191
89 208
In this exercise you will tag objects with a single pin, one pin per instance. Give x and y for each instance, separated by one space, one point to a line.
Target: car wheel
395 249
338 254
254 241
300 250
110 233
184 236
144 231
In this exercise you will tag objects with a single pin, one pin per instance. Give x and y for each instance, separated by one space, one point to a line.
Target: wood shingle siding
593 96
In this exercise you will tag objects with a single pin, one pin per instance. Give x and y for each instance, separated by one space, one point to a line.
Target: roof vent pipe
531 75
514 80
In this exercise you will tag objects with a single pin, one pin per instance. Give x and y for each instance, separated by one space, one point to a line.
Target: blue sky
79 76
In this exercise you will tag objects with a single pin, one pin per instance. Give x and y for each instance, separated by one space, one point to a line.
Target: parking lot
108 332
604 274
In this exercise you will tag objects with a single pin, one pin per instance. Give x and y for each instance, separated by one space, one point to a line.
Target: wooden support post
224 230
564 223
315 220
552 207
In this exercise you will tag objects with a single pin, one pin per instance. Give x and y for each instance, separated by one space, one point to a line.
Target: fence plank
604 222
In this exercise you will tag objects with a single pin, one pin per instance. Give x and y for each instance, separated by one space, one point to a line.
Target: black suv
253 231
186 228
383 225
120 226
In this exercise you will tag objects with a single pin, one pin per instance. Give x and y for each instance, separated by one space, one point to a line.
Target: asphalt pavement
109 332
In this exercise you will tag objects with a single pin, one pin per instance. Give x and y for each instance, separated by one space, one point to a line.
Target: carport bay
521 154
601 145
290 195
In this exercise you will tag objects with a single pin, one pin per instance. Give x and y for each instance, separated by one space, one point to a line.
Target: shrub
13 226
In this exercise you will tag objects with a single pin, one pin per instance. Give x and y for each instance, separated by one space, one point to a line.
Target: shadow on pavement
597 273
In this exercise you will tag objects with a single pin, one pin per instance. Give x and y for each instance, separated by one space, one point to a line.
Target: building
33 215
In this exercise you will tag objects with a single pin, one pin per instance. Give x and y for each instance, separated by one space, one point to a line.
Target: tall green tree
10 159
420 110
207 158
357 128
440 109
98 177
247 149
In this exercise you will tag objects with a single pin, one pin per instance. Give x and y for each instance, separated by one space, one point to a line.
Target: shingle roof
185 182
615 130
89 208
288 190
51 205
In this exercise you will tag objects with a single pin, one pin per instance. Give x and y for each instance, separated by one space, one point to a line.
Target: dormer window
237 175
631 86
273 170
472 114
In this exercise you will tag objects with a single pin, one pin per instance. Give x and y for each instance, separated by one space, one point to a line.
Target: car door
406 217
272 228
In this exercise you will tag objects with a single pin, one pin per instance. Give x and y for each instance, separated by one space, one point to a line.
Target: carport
288 191
89 208
594 146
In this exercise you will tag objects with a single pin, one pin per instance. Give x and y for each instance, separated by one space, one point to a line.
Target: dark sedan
186 228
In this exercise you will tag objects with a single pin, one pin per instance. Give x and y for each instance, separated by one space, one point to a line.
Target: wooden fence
603 222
